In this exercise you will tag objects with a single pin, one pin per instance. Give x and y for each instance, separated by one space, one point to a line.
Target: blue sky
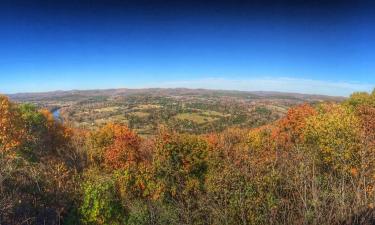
246 45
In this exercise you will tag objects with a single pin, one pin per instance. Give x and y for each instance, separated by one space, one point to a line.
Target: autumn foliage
123 151
316 165
11 131
290 129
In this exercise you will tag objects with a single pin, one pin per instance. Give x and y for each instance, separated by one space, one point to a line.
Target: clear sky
323 47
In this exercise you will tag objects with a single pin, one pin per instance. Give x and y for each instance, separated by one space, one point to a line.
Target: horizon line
168 88
261 84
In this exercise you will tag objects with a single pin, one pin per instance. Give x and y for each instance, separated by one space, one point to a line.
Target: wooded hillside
315 165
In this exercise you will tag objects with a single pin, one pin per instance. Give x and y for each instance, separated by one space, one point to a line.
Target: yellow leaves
157 192
360 99
192 186
335 134
179 164
12 133
255 139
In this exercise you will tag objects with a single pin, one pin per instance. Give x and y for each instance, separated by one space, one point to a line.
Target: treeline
316 165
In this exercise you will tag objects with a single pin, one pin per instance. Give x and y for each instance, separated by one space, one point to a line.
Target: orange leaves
123 152
12 133
289 130
354 172
230 145
57 134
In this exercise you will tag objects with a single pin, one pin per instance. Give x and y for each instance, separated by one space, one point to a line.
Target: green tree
101 203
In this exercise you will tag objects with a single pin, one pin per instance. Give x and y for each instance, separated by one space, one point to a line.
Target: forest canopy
315 165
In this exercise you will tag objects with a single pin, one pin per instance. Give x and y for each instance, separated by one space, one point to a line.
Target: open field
183 110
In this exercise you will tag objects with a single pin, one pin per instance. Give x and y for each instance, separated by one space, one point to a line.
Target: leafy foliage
124 150
11 130
316 165
101 204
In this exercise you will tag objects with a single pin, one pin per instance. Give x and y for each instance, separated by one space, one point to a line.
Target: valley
195 111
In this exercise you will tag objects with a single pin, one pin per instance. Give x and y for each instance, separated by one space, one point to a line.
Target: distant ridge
165 92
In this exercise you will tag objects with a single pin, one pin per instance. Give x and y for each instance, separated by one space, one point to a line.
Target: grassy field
199 118
140 114
147 106
182 110
107 109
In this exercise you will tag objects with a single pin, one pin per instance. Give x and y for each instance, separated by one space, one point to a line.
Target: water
56 115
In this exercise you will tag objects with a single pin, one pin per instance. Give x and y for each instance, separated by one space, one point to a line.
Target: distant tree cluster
316 165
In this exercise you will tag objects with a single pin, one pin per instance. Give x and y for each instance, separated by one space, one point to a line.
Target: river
57 115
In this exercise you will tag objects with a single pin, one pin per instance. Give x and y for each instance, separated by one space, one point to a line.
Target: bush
101 204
